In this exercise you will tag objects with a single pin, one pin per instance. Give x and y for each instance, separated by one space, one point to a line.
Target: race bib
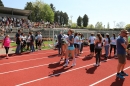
113 41
99 45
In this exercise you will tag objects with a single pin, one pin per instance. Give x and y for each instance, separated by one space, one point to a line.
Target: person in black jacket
59 43
18 42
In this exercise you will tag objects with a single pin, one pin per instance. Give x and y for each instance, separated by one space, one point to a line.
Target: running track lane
28 63
46 53
26 75
84 76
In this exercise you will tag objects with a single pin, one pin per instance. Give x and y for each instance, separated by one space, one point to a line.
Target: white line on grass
106 78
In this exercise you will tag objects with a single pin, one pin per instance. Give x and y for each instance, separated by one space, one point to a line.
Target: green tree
79 21
85 20
1 3
90 26
108 26
99 25
52 7
29 6
47 13
127 26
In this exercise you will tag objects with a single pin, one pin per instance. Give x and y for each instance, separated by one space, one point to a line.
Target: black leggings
7 50
113 46
98 52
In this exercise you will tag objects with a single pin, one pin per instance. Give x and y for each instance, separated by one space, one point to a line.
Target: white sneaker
96 65
65 65
73 64
99 64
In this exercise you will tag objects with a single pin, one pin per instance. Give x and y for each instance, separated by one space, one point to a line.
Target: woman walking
6 44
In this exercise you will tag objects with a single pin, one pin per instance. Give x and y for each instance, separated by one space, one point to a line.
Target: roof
7 10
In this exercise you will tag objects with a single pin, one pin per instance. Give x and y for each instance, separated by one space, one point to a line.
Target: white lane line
22 61
27 60
53 75
26 68
31 54
37 53
56 74
106 78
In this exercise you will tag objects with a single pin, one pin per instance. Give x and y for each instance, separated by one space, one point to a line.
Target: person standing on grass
59 43
39 38
121 53
6 44
18 42
32 38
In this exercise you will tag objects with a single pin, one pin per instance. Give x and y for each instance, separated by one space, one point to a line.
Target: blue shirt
70 38
120 48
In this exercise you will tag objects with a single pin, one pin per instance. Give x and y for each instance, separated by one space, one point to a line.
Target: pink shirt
7 42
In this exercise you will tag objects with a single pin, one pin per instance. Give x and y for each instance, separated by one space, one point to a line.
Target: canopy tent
14 11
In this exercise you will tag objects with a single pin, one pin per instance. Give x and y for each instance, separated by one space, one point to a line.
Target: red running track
42 69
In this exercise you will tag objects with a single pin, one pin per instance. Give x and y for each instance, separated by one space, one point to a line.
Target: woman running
70 49
6 44
98 48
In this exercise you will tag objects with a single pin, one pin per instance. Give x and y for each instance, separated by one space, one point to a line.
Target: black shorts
92 47
39 43
76 45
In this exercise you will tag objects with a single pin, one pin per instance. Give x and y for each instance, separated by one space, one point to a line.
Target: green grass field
46 47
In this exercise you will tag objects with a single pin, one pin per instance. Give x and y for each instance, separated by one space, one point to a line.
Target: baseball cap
124 31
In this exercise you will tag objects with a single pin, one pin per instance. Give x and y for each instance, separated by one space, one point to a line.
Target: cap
124 31
107 33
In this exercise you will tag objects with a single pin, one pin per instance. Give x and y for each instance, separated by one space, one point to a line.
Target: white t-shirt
76 40
113 41
39 37
28 39
24 37
92 39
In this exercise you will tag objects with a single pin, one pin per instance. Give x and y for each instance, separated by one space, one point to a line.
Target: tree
47 13
90 26
29 6
99 25
79 21
85 20
1 3
127 26
40 11
108 26
120 25
52 7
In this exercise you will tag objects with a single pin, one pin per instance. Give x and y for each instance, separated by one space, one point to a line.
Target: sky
105 11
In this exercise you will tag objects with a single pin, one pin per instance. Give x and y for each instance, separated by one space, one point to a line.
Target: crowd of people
71 45
8 23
